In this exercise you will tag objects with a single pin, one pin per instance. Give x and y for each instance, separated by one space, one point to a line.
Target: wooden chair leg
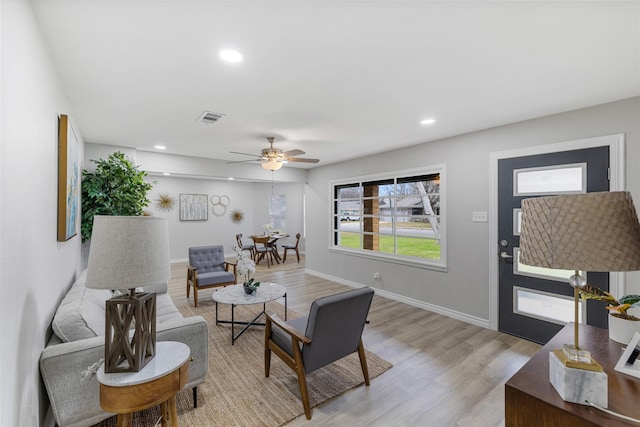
195 296
267 350
188 288
363 362
284 255
302 381
298 255
267 362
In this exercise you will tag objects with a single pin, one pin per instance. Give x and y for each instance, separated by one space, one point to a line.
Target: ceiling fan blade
302 160
244 154
293 153
245 161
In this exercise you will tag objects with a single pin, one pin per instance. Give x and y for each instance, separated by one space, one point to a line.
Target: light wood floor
446 372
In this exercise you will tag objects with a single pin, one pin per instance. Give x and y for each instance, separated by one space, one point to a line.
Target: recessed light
231 55
159 147
166 173
230 178
428 121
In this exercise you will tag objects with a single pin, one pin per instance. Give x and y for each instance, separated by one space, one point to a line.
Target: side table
531 400
155 384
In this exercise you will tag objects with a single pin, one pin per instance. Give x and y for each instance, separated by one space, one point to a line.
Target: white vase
622 330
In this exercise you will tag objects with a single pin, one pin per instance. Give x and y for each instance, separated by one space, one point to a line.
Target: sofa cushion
81 312
165 309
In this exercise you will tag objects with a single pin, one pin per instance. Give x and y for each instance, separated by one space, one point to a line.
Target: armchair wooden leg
188 289
195 296
363 362
302 382
267 350
267 362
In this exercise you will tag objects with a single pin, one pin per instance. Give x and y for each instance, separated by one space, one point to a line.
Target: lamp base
576 354
133 312
577 385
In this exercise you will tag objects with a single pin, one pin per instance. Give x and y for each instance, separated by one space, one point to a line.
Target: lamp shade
271 165
128 251
589 232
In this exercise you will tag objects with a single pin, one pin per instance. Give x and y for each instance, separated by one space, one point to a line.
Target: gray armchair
332 330
208 269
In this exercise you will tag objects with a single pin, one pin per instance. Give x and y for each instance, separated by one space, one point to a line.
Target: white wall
252 198
464 290
36 270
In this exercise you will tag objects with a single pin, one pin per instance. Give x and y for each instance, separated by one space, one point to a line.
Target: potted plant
622 324
116 187
246 266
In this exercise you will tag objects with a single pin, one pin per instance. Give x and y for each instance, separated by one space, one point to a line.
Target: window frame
334 218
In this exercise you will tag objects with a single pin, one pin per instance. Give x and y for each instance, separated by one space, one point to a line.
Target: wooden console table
531 400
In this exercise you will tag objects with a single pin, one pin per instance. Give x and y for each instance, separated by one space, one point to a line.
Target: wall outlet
479 216
376 275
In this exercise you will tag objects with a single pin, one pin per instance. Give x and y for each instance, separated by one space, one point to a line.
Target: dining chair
292 247
332 330
263 249
245 246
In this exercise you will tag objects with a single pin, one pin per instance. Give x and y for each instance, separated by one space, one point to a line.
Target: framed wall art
68 179
194 207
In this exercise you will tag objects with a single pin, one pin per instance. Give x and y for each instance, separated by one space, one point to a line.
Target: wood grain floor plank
446 372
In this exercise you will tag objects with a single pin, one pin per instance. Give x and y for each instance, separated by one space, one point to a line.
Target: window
398 217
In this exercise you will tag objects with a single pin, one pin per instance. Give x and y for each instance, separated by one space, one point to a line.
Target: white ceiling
336 79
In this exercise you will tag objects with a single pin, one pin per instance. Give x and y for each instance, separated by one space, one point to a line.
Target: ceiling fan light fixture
271 165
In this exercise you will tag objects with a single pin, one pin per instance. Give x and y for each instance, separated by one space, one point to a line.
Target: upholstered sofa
72 355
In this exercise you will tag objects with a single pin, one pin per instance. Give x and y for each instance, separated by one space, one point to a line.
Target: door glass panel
545 306
539 272
558 179
517 221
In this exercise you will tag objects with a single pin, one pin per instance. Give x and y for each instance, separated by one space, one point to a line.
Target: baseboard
410 301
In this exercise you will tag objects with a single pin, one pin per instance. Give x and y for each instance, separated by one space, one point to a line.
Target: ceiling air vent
210 118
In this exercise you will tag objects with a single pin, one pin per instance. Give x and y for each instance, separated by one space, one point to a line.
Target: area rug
236 392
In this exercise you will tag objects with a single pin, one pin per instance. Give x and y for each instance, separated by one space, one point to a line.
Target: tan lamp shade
127 252
587 232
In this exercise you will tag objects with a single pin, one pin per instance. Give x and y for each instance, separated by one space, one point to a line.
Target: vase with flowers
246 267
622 324
267 229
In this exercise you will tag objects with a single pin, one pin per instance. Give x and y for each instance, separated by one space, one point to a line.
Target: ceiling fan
273 158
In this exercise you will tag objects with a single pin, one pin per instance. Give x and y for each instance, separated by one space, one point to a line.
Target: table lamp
128 252
580 232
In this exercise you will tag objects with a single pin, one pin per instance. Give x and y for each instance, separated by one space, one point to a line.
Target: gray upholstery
335 324
207 268
332 330
245 246
74 396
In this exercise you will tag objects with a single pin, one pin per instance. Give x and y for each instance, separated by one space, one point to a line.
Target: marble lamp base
578 385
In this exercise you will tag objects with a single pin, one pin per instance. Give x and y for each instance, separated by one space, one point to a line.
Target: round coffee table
235 295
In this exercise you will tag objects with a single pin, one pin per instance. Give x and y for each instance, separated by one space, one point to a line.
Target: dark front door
535 303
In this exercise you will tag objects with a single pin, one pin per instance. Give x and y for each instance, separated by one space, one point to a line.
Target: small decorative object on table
622 324
267 229
246 266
